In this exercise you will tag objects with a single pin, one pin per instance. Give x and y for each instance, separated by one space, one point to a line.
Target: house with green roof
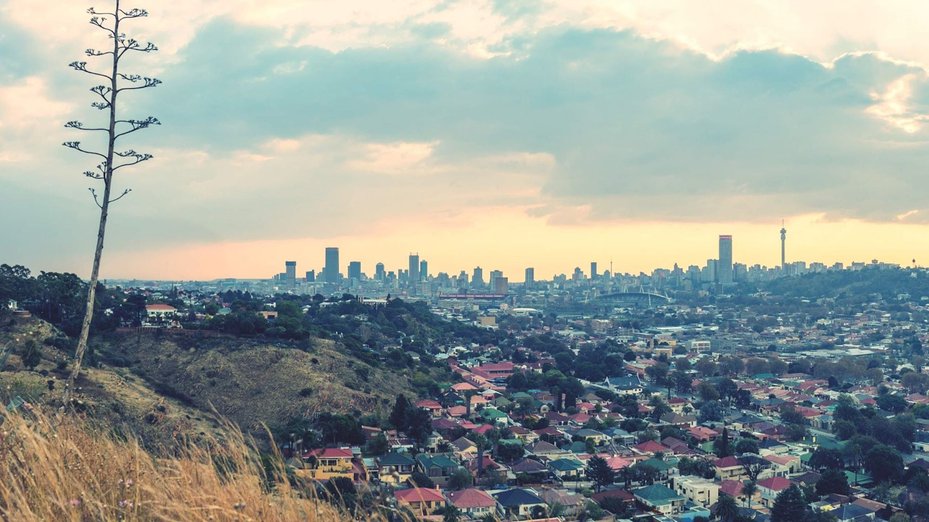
439 467
660 498
395 468
567 468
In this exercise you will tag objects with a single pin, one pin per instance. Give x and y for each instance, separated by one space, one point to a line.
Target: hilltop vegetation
853 286
337 355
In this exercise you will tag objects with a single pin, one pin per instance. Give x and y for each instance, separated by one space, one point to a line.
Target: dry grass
60 467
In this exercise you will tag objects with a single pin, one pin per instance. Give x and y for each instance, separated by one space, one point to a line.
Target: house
770 488
520 504
395 468
432 406
729 468
698 490
650 447
660 499
567 468
473 503
158 313
328 463
438 467
464 448
626 385
852 513
595 437
531 468
782 465
570 504
422 501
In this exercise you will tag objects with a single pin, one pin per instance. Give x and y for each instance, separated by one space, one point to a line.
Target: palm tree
749 489
726 508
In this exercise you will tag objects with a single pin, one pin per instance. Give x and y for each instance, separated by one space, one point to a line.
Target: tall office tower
578 274
413 274
477 278
424 270
724 266
462 279
501 285
311 276
379 274
354 270
783 247
593 270
494 275
331 270
530 277
290 269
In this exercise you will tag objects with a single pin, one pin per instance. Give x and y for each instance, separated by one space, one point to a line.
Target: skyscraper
477 278
379 274
494 275
331 270
783 247
530 277
593 270
354 270
501 285
424 270
413 274
724 266
290 268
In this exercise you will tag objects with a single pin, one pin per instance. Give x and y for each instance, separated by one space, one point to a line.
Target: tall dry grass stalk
64 469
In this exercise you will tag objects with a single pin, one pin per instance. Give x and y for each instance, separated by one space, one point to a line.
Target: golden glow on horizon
509 240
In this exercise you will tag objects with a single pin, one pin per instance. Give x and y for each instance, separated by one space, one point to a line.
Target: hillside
254 381
111 396
160 383
61 467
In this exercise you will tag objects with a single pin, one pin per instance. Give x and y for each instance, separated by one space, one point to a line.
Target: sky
498 133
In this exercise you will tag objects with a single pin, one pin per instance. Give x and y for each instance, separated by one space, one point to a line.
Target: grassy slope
253 382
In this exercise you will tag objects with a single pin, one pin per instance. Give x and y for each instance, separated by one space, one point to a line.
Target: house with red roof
650 447
702 433
422 501
327 463
729 468
432 406
770 488
473 503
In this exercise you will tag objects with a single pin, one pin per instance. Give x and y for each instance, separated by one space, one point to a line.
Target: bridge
634 298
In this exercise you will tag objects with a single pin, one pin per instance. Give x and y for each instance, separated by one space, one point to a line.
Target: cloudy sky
499 133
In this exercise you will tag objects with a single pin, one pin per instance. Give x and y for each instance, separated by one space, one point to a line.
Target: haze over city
480 133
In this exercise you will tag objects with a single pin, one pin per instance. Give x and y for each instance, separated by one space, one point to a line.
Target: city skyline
557 134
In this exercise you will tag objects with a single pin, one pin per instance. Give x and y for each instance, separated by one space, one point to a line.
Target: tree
721 445
884 463
915 382
31 354
599 472
707 392
683 383
399 415
824 458
832 481
726 509
753 465
460 479
451 514
711 411
891 402
746 446
115 82
789 506
748 489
